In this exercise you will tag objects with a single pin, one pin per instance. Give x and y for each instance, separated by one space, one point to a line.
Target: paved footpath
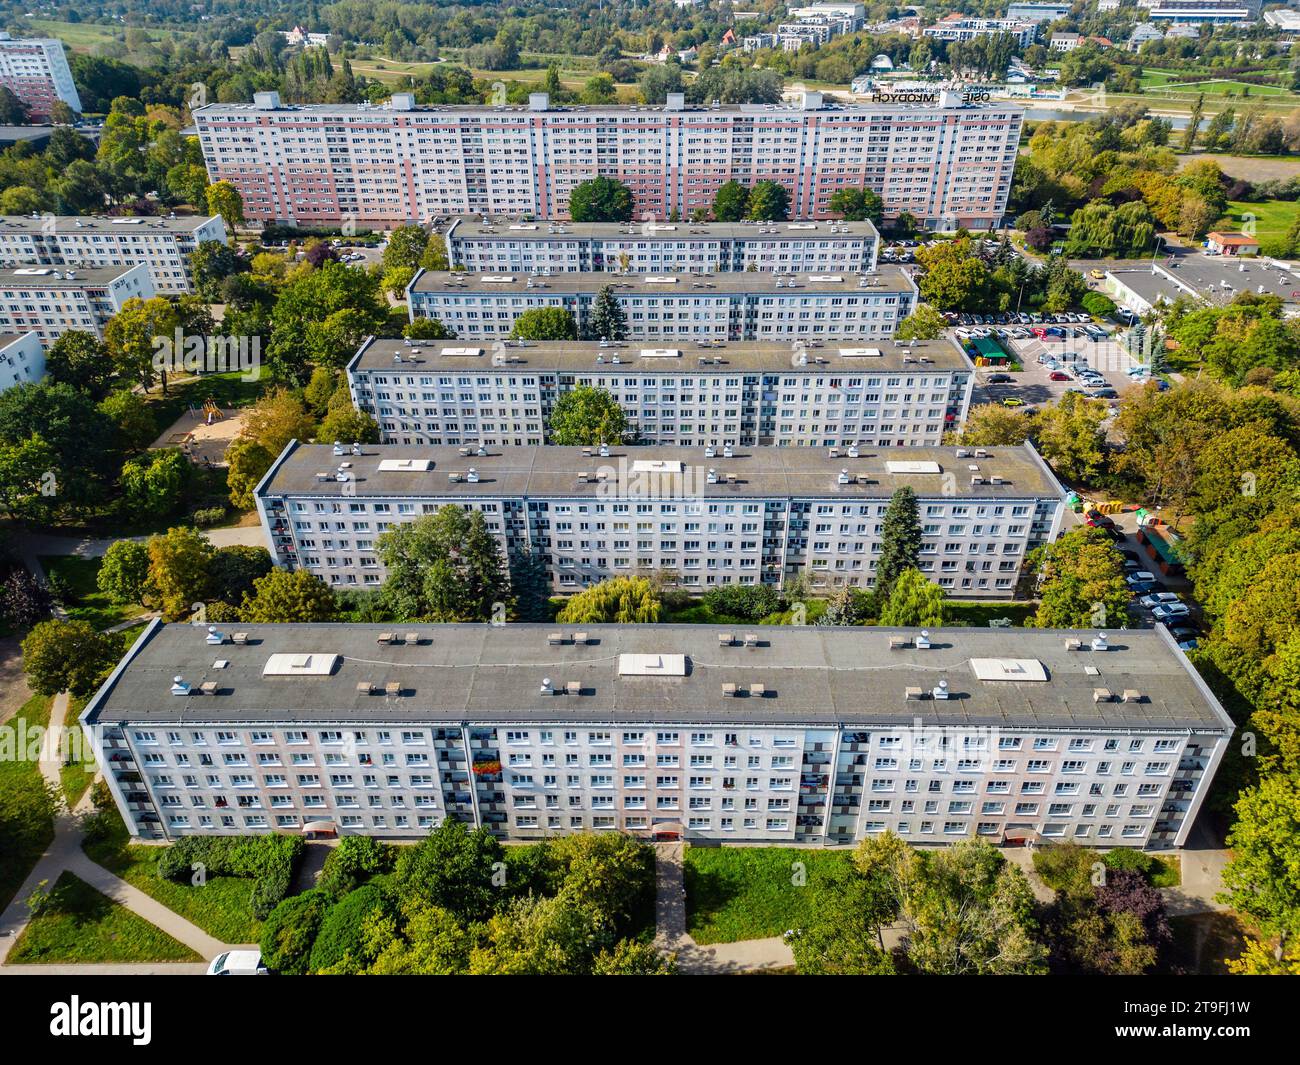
65 853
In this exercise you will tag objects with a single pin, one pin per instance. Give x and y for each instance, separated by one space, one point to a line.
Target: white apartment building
959 28
715 307
502 246
697 517
692 395
37 72
22 359
1037 12
777 735
378 166
163 245
50 302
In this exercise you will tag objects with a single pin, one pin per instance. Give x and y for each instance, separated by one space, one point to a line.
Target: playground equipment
212 411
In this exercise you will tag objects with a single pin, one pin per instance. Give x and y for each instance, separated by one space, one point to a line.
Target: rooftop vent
1009 669
651 665
214 637
941 690
1099 642
300 665
179 686
1132 695
1102 695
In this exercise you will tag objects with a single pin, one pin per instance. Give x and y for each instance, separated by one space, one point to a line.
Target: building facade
693 395
697 517
51 302
163 245
22 359
782 735
672 307
960 28
37 72
379 166
661 247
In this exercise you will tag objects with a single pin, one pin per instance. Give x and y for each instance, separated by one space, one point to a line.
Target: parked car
1098 520
238 963
1184 632
1104 393
1097 275
1142 576
1013 401
1171 612
1160 599
999 378
1058 375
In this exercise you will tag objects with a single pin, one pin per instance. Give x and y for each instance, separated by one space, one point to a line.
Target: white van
238 963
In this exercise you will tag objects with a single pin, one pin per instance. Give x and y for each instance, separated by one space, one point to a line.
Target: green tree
452 868
993 424
406 248
130 335
1262 879
81 360
914 602
211 263
68 656
444 567
769 201
178 569
156 482
347 424
291 929
427 329
924 323
246 464
282 596
730 202
545 323
131 416
124 572
608 320
224 199
1071 437
900 541
955 279
842 936
602 199
1080 582
625 600
1194 123
321 318
235 569
858 205
586 415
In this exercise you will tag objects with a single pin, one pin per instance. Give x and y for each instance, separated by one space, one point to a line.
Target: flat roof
436 356
22 223
812 675
63 276
507 229
1231 275
760 472
678 283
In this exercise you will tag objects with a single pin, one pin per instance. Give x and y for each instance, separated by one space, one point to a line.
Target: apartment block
691 394
948 163
162 244
22 359
783 734
961 28
37 72
51 302
696 517
500 246
670 307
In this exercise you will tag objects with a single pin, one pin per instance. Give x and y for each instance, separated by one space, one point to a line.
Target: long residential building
36 70
778 735
690 394
51 302
499 246
948 162
22 359
673 307
163 245
697 517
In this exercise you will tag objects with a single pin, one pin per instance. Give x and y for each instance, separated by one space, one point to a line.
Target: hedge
269 861
290 931
339 938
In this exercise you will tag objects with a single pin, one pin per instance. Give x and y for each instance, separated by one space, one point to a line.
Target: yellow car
1097 275
1013 401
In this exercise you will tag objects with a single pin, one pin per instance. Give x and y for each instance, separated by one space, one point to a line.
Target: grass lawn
21 776
76 777
1272 217
980 614
81 925
220 907
1204 942
88 604
228 389
735 893
1167 871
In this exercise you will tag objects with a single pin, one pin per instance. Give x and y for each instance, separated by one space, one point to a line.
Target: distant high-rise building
946 159
36 71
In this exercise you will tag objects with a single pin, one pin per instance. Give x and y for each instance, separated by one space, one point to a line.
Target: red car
1098 520
1056 375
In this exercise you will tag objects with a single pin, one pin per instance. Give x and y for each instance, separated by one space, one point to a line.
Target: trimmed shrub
290 931
338 943
354 861
269 861
1098 304
1129 859
753 602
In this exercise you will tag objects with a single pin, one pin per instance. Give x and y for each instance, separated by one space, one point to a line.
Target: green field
1272 217
1159 82
574 71
735 893
18 776
220 906
79 36
80 925
88 603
